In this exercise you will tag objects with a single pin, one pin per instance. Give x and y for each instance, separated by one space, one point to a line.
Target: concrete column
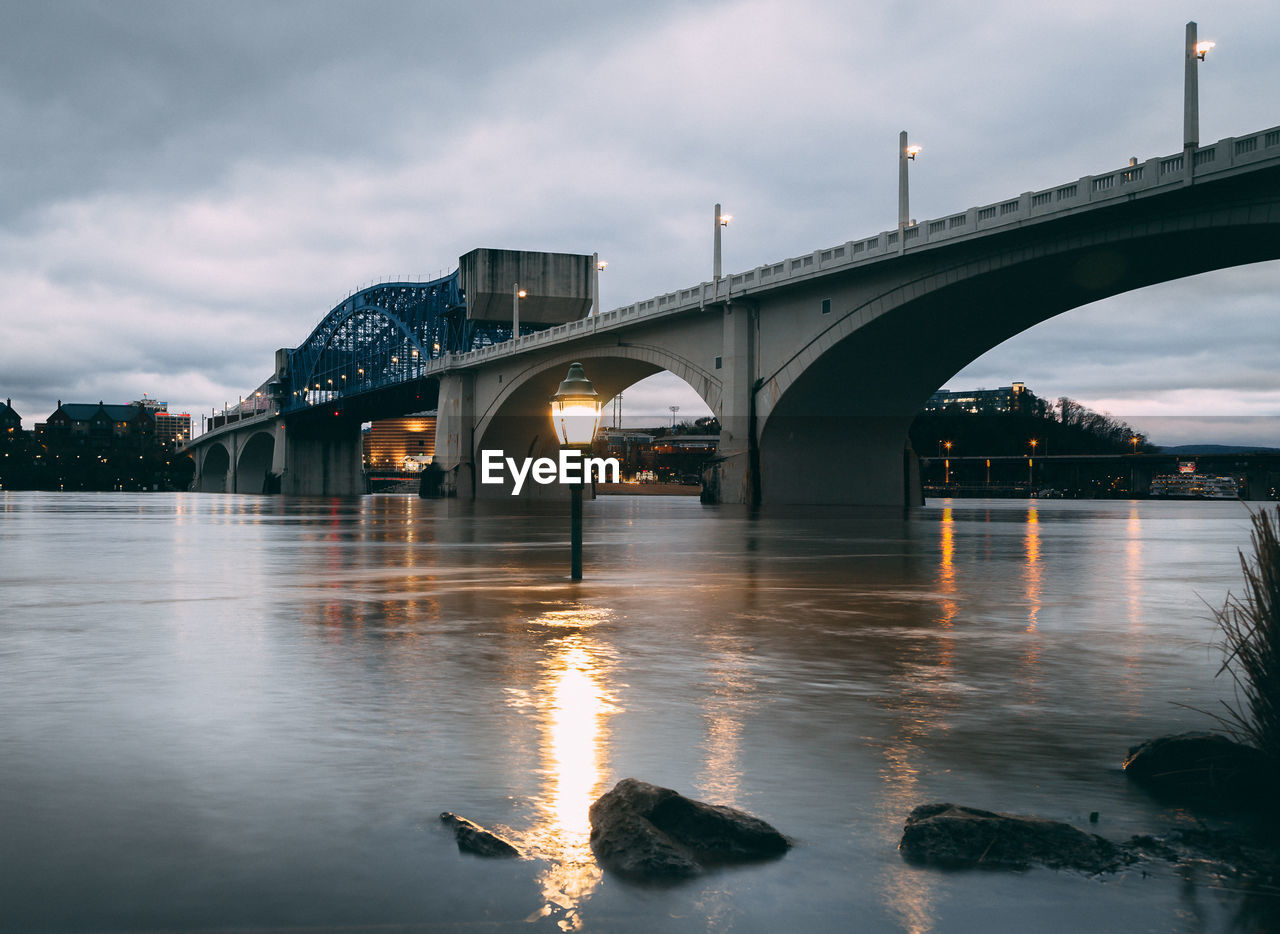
838 460
735 475
233 472
455 429
324 460
278 456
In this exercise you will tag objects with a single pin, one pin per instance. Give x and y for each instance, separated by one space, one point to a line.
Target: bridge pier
736 471
839 461
323 460
455 438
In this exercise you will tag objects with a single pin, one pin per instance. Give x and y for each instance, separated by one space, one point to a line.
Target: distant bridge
814 365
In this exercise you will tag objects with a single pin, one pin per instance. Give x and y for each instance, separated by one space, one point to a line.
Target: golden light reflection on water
1134 586
1033 590
908 891
1034 582
573 702
726 705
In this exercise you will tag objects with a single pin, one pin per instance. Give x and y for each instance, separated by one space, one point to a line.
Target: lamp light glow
575 409
913 151
1203 47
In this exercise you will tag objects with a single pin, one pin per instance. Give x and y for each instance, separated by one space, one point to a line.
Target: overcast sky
185 187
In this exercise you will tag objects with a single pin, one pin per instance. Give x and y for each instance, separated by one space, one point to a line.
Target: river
246 713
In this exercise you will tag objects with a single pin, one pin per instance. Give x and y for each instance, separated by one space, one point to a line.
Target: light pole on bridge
517 293
597 267
722 220
906 154
1194 54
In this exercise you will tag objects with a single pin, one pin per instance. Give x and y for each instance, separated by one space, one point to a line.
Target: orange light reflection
573 702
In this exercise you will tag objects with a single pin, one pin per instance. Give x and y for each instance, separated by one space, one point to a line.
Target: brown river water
246 713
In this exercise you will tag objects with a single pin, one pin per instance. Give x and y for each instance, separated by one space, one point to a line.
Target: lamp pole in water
575 412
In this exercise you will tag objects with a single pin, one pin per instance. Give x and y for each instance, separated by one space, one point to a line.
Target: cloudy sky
185 187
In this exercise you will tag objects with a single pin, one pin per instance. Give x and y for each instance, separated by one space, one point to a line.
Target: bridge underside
835 431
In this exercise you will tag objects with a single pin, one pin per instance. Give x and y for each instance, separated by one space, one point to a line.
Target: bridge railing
1157 173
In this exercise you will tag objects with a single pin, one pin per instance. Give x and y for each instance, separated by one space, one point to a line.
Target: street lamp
1031 460
575 412
517 293
1194 55
722 220
597 267
905 154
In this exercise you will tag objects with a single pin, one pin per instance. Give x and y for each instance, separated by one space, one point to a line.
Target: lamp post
1031 460
1194 54
575 412
517 293
722 220
597 267
905 154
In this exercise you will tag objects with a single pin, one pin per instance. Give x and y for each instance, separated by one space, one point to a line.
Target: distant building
99 425
1016 399
171 427
10 421
401 444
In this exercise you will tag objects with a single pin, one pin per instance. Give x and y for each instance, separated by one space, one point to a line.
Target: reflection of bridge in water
815 365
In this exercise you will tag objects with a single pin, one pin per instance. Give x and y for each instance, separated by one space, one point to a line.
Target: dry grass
1251 628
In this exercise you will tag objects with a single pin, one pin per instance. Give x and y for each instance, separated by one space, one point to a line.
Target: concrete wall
558 285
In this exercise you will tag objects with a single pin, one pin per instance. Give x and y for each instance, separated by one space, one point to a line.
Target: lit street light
597 267
1195 53
517 293
575 413
722 220
905 154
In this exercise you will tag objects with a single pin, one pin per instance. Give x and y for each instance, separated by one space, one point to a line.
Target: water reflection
725 708
1134 587
908 892
573 701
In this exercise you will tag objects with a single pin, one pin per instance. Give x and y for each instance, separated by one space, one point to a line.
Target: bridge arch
848 398
213 469
253 463
518 422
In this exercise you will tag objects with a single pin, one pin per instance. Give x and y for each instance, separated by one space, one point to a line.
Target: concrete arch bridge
814 365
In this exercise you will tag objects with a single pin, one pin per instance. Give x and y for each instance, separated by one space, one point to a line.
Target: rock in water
951 835
1204 768
645 831
472 838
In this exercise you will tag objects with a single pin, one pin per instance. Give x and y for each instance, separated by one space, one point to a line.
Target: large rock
951 835
1205 768
644 831
472 838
